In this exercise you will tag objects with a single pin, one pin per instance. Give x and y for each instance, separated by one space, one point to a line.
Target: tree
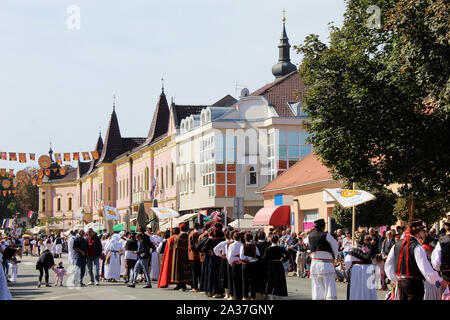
378 212
8 205
428 210
378 99
27 197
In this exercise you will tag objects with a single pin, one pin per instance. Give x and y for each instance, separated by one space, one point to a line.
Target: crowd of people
225 263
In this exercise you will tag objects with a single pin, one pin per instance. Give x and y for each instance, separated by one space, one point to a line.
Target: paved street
26 288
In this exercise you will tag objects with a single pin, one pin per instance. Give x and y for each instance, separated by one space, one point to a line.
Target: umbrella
142 216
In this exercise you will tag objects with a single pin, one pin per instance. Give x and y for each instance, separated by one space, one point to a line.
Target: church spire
284 65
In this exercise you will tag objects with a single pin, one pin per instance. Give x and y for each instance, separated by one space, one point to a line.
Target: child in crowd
379 272
60 272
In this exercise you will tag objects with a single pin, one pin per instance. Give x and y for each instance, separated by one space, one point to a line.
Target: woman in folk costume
249 255
165 274
275 256
220 251
112 263
155 265
4 291
123 240
57 245
204 256
362 284
324 249
431 291
181 268
213 289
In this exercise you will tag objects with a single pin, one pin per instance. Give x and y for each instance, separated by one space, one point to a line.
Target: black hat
417 225
319 224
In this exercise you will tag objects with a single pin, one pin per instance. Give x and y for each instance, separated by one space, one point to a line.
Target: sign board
350 198
238 208
327 197
284 200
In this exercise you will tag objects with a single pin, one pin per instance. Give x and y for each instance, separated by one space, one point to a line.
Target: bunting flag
9 191
76 156
47 172
40 173
32 156
34 182
62 171
4 193
2 155
15 182
11 172
22 157
95 155
67 157
55 170
2 172
39 181
86 156
12 156
14 191
33 173
58 158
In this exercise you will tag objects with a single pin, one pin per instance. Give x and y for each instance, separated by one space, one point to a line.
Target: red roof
308 170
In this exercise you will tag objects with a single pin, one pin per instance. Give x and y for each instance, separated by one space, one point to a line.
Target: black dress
261 267
276 278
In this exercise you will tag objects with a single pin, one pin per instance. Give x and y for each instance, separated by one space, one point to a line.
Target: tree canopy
378 98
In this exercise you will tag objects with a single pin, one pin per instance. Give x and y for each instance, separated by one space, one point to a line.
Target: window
69 204
109 193
58 204
171 174
43 204
167 175
101 191
147 179
309 216
162 178
251 179
207 163
271 156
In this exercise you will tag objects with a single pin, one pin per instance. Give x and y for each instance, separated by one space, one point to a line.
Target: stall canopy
245 224
119 227
273 216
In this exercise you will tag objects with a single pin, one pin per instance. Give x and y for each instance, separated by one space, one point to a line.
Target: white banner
111 213
349 198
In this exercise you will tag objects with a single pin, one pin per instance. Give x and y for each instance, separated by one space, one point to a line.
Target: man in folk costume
181 268
220 251
194 257
70 247
249 255
407 264
361 285
440 258
155 265
165 274
324 249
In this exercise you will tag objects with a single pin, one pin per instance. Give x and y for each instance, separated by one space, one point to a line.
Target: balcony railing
141 196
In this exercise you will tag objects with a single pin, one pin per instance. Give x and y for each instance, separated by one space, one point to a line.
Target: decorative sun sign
6 183
44 162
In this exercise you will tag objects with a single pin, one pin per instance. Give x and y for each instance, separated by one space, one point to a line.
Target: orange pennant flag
55 170
39 181
86 156
47 172
76 156
9 191
14 191
62 171
95 155
32 156
33 173
2 172
58 158
34 182
4 193
40 173
27 181
11 172
12 156
67 157
2 155
22 157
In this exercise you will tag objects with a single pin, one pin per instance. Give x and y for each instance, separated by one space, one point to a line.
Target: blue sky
57 84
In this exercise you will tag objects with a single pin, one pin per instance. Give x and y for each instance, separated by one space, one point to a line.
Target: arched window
162 178
147 179
171 175
251 177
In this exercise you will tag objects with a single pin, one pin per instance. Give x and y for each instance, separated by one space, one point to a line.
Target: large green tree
378 98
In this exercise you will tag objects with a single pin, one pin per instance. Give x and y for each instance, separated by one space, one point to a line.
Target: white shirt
436 257
220 249
324 267
233 252
244 257
424 266
347 245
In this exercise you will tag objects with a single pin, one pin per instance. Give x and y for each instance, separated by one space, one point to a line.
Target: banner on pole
350 198
111 213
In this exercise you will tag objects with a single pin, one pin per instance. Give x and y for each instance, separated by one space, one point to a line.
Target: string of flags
59 157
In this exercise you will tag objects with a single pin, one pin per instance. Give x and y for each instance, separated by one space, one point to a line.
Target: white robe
122 257
4 291
323 274
14 267
112 269
154 270
70 259
362 280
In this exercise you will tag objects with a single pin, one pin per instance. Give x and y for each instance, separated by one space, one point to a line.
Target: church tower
284 65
